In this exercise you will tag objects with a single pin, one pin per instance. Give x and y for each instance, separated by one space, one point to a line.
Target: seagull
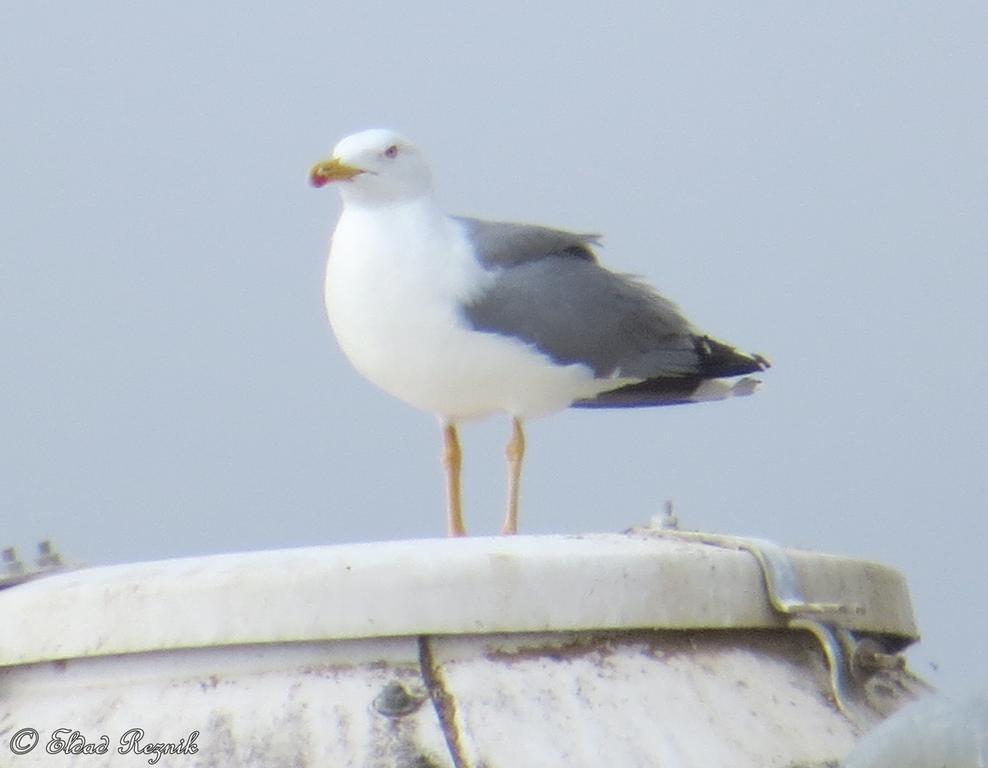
466 318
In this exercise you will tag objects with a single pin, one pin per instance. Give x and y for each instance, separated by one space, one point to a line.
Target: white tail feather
721 389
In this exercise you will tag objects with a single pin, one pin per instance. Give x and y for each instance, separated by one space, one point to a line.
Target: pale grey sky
806 180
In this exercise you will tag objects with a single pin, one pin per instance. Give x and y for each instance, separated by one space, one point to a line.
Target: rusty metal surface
360 703
671 699
435 587
626 699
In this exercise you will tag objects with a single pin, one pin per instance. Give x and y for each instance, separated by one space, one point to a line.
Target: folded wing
550 292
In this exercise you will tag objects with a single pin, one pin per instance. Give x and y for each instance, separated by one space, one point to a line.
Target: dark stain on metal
327 670
555 650
664 645
824 764
336 669
395 700
417 761
443 701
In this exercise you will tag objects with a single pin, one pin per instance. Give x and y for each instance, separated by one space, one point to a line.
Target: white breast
395 280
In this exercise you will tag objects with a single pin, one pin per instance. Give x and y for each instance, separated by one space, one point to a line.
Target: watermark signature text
66 741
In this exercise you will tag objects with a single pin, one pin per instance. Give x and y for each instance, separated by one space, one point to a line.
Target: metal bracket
847 656
13 571
781 583
837 663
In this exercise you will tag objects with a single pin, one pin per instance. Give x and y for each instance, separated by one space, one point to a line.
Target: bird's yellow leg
515 452
452 460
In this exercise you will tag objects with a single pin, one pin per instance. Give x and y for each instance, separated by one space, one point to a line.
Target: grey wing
550 292
500 244
575 311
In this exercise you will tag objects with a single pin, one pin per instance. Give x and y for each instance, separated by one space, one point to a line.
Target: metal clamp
847 656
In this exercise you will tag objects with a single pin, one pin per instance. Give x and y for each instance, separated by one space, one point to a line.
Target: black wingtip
722 360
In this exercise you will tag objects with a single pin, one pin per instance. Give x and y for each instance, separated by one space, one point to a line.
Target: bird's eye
391 152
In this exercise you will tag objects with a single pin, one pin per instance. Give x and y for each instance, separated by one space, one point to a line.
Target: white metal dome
640 649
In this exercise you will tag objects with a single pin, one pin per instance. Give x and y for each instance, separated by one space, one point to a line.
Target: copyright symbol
23 741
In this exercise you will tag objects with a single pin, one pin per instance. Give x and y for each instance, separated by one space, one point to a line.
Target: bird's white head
375 167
